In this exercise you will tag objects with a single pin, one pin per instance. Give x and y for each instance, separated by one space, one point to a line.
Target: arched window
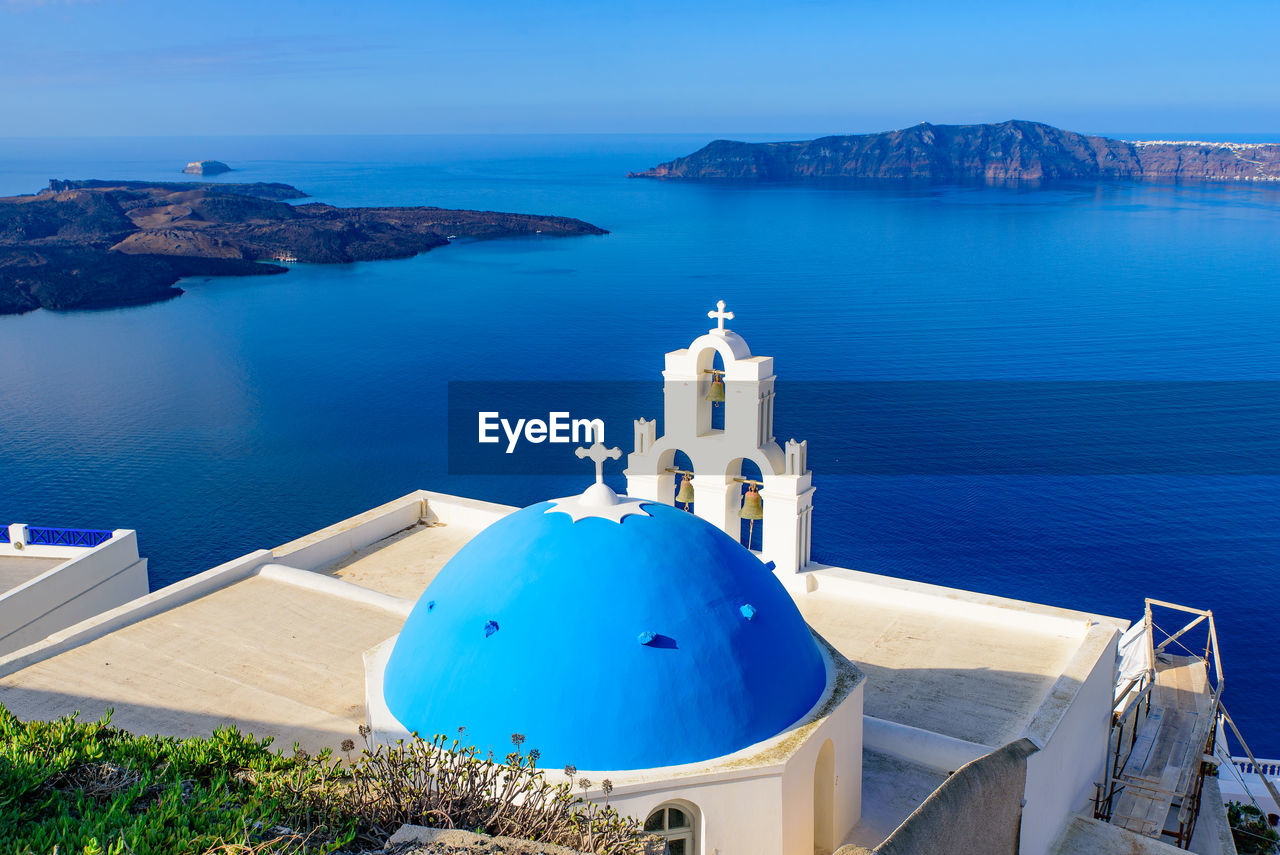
675 824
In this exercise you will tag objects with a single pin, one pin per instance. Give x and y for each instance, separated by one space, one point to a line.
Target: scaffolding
1163 726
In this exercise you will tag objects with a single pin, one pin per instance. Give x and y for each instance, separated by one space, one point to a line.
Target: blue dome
651 642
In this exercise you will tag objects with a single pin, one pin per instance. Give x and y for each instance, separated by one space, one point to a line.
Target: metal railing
65 536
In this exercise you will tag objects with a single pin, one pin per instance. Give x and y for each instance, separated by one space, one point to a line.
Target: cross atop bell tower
720 316
717 454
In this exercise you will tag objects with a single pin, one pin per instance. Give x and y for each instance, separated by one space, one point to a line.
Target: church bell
685 495
715 394
752 510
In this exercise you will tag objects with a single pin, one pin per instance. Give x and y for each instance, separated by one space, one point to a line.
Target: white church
740 699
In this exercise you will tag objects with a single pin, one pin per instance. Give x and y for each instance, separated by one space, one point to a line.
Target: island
206 167
1007 151
103 244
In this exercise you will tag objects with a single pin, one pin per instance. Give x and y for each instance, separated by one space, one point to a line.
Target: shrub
1250 830
91 789
447 784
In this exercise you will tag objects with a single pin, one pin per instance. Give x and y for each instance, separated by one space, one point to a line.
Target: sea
250 411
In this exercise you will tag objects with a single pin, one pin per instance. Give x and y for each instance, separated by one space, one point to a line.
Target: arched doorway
676 823
824 814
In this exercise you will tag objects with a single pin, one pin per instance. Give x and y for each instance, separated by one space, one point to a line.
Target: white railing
1270 768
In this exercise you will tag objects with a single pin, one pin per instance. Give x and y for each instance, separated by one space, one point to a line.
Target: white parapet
53 578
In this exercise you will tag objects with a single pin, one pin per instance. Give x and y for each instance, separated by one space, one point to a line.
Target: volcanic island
103 244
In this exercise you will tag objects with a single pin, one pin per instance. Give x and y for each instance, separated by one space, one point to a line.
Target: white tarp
1133 657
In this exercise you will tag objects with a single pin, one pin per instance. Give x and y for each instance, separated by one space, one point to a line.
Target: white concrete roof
951 675
272 642
403 564
16 570
965 665
272 658
948 673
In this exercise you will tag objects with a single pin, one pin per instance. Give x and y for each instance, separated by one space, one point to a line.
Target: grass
91 789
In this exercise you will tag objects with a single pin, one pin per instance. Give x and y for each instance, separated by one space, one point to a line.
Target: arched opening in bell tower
678 465
711 391
746 508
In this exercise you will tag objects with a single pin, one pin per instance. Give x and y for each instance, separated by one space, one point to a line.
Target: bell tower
717 454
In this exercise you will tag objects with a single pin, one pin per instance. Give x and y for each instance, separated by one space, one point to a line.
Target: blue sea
250 411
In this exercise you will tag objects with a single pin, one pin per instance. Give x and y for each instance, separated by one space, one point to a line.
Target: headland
1007 151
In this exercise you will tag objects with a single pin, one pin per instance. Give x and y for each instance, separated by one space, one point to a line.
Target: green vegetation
90 789
1250 830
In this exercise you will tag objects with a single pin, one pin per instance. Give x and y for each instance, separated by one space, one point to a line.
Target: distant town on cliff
1007 151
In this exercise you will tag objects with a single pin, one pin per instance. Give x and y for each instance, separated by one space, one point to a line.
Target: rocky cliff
1008 151
90 244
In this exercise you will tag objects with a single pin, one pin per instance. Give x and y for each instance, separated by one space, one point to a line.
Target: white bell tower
717 454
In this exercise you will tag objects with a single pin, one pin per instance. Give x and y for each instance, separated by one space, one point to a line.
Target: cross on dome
598 500
598 453
720 316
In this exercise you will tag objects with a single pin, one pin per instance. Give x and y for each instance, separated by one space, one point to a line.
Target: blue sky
123 67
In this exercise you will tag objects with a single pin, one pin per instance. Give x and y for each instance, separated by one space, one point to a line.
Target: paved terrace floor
891 790
403 564
272 658
971 679
15 570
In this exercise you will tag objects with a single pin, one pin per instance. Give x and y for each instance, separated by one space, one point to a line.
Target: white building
740 702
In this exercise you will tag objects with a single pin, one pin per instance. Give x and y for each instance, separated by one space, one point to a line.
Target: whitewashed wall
1073 741
844 728
735 816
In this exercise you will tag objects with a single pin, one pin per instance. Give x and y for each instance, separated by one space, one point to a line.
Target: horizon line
782 136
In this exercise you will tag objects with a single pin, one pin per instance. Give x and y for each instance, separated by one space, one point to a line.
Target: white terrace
273 642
